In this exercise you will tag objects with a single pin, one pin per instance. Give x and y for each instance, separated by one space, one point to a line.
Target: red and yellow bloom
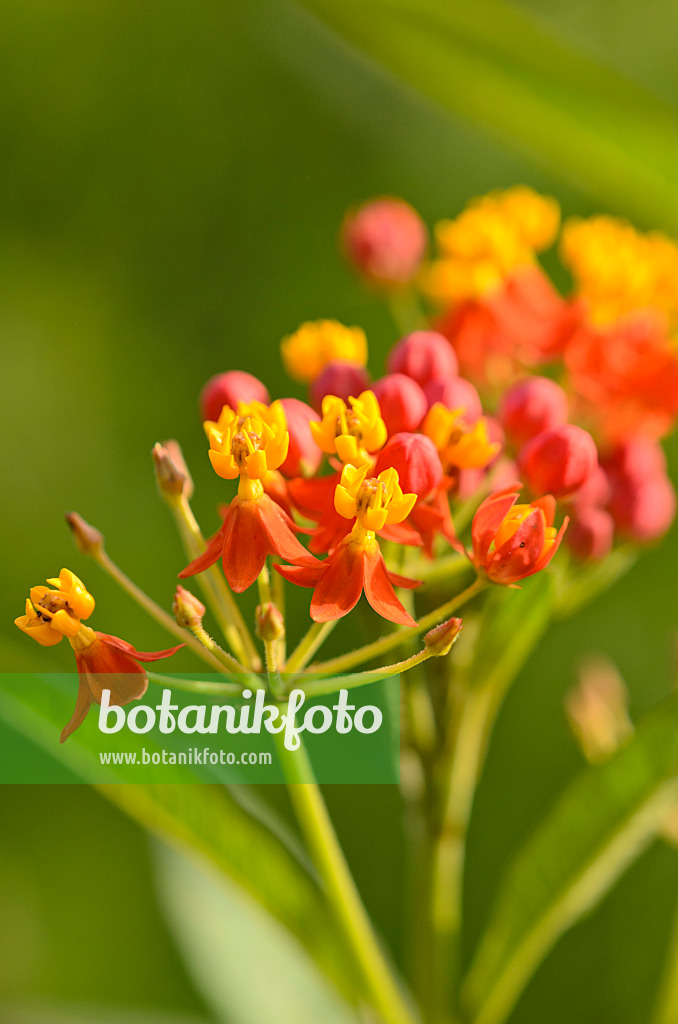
512 541
249 444
103 662
356 564
352 432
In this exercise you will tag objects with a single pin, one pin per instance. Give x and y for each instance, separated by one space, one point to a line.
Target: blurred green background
173 177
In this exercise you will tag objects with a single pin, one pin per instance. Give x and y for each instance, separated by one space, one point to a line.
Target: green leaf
494 66
227 942
204 818
598 827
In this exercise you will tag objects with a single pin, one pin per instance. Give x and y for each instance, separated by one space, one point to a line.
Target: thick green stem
217 593
327 855
225 660
388 643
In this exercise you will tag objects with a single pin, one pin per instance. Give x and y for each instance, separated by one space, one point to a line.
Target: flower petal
379 590
488 519
211 553
278 531
245 544
82 705
340 586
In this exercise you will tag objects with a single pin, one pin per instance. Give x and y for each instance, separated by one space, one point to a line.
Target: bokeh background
173 178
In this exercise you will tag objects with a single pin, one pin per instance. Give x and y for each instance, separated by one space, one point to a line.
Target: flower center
372 494
244 443
49 605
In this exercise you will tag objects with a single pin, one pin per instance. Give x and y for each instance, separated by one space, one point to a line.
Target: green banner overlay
172 736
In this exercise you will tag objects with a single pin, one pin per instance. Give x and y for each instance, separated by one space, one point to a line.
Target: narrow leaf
598 827
496 67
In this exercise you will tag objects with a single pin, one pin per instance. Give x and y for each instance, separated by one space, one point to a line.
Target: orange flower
104 662
251 444
356 564
510 541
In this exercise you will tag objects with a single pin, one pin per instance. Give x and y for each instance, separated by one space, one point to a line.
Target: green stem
217 593
304 651
341 890
324 686
225 660
278 597
153 609
467 742
406 310
387 643
196 685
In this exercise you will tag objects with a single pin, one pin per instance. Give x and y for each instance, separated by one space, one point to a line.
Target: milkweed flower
318 342
512 541
351 432
460 446
356 564
531 406
104 662
249 445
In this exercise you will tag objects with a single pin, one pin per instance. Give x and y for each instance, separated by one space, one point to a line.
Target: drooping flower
316 343
104 662
249 444
356 564
512 541
352 432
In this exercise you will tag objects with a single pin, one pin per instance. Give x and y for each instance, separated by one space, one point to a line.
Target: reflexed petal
82 705
123 645
245 544
278 530
302 575
211 553
379 590
340 586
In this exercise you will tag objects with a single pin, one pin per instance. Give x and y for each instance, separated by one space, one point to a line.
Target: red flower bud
532 406
643 509
455 393
385 241
401 401
559 461
423 356
303 455
591 533
596 490
416 459
341 379
636 458
229 389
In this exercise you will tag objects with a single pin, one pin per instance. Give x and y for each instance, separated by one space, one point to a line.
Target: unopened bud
402 402
559 461
170 470
87 539
269 623
423 356
385 241
439 640
597 710
187 609
228 389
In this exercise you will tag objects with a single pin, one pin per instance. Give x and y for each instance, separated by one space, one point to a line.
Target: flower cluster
499 378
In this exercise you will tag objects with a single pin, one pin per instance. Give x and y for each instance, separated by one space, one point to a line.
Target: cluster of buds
501 379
